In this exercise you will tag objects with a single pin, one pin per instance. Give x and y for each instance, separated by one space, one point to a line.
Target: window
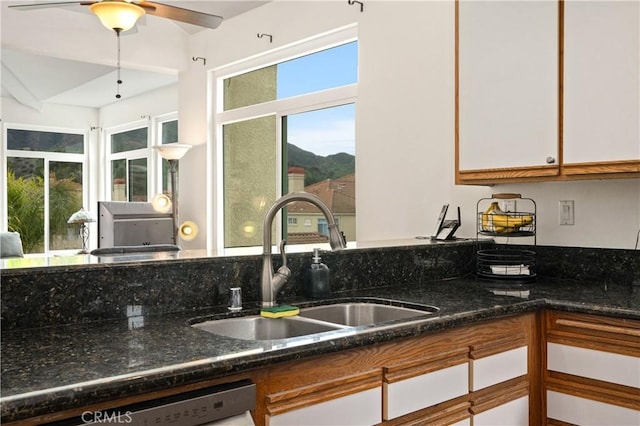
326 69
129 156
45 185
136 171
288 126
323 226
168 131
319 146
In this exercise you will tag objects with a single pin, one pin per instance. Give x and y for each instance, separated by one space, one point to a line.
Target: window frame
154 160
47 158
135 154
157 160
281 108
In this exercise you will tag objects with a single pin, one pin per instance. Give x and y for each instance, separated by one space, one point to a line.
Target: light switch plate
567 212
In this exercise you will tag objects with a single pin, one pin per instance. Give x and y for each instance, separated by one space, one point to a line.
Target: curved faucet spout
272 282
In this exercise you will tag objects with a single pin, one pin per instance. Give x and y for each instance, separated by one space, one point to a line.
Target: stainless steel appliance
209 406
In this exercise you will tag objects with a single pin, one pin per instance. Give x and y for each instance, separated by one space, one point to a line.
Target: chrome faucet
271 281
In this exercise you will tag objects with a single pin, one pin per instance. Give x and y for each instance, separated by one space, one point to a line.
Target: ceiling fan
122 15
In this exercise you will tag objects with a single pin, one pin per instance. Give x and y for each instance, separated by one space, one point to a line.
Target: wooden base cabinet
474 375
592 373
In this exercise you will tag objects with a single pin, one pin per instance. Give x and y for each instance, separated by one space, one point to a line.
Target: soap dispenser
316 278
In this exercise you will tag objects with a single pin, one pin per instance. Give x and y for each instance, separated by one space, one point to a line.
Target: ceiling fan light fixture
117 15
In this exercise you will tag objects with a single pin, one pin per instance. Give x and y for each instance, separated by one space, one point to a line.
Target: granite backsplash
62 295
589 264
75 294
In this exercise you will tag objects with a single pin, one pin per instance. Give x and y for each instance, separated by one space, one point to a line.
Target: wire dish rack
505 216
506 264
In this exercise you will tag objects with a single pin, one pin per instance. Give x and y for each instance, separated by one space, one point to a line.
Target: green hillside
318 168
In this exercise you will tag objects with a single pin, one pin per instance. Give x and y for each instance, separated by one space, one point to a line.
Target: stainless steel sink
260 328
356 313
316 319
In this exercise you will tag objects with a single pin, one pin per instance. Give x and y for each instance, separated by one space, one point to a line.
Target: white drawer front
598 365
423 391
362 408
497 368
585 412
513 413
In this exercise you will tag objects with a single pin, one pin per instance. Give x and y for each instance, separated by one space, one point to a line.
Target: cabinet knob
551 160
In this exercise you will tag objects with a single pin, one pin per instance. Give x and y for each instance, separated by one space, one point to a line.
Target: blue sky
324 132
327 131
322 70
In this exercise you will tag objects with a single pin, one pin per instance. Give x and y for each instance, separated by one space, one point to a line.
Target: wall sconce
82 217
188 230
161 203
172 152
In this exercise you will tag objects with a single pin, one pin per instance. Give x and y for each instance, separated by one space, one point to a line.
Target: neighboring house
305 223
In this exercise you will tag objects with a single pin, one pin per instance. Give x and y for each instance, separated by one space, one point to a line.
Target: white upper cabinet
601 81
507 84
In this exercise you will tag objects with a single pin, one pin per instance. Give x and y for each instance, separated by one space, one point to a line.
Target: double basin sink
318 319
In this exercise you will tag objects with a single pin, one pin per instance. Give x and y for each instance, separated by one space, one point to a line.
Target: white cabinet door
498 368
423 391
601 83
513 413
585 412
362 408
593 364
508 83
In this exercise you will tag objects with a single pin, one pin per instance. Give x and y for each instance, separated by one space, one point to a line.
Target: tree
26 208
25 198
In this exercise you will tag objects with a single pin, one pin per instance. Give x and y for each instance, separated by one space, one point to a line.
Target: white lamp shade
117 15
81 216
172 151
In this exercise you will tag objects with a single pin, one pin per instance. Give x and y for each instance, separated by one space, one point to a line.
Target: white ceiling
47 79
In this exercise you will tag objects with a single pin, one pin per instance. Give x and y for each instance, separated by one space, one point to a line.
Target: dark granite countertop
49 369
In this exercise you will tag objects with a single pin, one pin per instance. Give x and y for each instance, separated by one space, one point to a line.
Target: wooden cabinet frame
598 333
315 380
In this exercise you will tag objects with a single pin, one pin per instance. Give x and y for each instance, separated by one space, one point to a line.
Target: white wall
607 212
63 116
195 180
405 122
405 110
150 104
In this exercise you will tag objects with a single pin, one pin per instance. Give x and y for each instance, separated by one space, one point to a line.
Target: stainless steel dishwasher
226 404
